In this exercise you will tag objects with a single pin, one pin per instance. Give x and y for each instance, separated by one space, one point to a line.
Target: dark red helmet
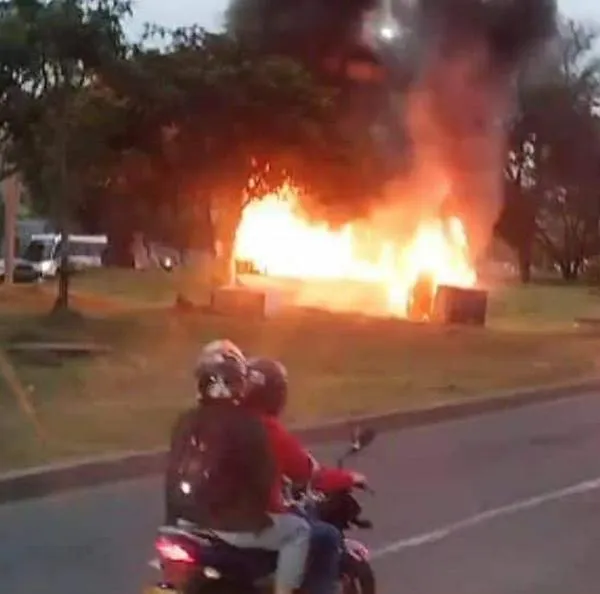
267 386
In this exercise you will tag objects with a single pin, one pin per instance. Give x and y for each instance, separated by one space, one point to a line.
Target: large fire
280 241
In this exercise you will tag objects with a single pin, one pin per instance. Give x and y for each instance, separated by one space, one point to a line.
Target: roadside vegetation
112 136
340 365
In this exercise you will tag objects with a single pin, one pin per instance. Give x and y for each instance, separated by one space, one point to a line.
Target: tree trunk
11 195
62 299
225 259
62 215
524 255
569 271
226 231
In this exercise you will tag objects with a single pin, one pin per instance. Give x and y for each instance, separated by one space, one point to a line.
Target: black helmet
267 386
221 370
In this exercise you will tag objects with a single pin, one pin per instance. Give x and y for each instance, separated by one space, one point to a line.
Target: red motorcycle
194 561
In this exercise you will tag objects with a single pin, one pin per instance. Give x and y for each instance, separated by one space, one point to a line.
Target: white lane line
483 517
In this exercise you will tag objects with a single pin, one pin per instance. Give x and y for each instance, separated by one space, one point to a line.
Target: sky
207 13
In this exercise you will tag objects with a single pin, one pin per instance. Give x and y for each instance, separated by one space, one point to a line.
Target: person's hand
359 479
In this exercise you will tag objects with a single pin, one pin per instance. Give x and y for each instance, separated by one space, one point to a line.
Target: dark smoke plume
323 34
298 25
509 28
456 62
466 58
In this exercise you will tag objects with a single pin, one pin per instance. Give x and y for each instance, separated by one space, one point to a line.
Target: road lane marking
444 532
448 530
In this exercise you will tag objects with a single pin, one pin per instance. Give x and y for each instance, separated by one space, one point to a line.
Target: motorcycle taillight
179 560
172 551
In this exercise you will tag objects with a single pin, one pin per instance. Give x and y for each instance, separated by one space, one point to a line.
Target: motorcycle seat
251 564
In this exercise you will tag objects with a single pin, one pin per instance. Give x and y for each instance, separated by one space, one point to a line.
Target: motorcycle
193 560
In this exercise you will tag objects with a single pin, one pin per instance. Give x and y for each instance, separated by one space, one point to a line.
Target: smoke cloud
316 25
456 61
465 55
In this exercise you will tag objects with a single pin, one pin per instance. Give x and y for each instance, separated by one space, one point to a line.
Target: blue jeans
290 535
324 556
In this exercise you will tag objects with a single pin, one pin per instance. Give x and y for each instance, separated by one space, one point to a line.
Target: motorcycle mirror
361 438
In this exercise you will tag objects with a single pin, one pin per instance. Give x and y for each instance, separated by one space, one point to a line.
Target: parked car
41 257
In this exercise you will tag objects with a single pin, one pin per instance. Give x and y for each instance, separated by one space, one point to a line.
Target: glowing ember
279 241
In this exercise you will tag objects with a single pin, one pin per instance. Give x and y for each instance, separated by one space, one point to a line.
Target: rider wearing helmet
220 377
266 395
267 386
221 452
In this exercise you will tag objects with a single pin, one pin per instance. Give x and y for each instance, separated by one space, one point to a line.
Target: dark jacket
231 489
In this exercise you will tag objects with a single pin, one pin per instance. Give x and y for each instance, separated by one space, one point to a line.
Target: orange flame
280 241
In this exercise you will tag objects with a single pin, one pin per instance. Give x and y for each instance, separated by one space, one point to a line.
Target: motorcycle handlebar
308 493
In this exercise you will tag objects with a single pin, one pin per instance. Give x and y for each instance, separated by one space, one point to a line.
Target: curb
48 480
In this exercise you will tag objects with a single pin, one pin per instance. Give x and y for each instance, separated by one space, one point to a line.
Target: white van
43 251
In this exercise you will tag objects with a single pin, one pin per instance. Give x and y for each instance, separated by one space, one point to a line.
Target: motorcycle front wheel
357 577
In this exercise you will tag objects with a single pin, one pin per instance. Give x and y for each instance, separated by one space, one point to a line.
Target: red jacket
295 462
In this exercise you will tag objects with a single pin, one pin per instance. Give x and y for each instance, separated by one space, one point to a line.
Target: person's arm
335 479
300 467
293 460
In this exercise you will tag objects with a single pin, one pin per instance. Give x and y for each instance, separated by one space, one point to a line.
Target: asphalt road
505 503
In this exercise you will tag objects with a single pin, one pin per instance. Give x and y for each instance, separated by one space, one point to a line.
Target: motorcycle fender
356 549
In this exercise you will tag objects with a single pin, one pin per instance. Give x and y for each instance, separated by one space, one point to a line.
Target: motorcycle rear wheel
201 585
357 578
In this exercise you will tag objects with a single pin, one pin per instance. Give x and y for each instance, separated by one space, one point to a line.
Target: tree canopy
553 169
167 141
50 55
173 141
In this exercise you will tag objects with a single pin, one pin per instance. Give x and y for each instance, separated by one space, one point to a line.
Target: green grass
340 365
541 307
154 286
550 306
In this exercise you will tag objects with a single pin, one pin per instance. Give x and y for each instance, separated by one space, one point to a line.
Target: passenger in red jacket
266 394
297 464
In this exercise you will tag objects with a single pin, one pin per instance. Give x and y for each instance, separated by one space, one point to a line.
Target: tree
319 34
552 175
128 128
50 55
269 120
327 39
